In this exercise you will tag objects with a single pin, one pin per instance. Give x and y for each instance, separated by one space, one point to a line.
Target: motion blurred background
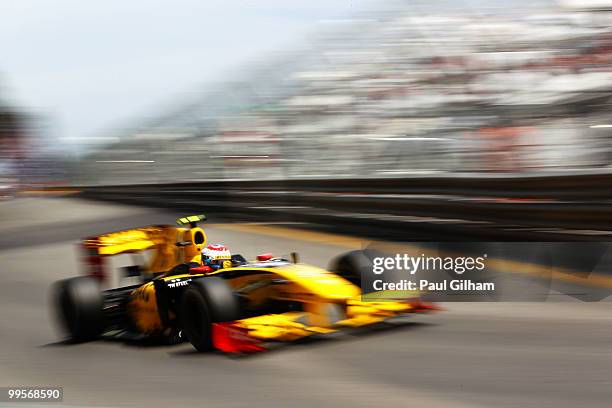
383 90
409 90
462 115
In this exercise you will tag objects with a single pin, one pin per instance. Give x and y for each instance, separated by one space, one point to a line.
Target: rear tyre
79 305
206 301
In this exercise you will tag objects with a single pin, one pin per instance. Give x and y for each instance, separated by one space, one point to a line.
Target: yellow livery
188 290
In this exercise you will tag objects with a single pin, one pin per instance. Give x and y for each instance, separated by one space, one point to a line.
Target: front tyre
353 265
79 306
206 301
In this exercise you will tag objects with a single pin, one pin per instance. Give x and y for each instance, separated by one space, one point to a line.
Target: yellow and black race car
237 307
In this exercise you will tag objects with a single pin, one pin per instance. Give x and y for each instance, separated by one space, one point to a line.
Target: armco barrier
481 205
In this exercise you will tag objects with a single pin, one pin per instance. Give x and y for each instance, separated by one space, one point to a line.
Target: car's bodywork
278 300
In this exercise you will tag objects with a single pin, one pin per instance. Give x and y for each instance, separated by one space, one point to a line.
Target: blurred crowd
11 150
404 92
25 158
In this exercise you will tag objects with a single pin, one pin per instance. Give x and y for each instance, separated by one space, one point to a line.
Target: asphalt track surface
553 354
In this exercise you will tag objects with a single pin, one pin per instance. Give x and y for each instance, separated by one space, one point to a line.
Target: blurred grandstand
27 157
408 91
12 137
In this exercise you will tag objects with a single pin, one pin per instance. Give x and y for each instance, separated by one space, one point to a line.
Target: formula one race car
236 307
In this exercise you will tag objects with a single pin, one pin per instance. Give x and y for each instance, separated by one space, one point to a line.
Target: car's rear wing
171 245
127 241
98 248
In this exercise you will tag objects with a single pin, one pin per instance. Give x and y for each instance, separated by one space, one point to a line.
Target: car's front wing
250 334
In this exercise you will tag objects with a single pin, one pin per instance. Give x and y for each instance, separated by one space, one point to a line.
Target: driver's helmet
216 256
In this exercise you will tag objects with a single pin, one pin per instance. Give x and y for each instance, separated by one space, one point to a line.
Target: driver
216 256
